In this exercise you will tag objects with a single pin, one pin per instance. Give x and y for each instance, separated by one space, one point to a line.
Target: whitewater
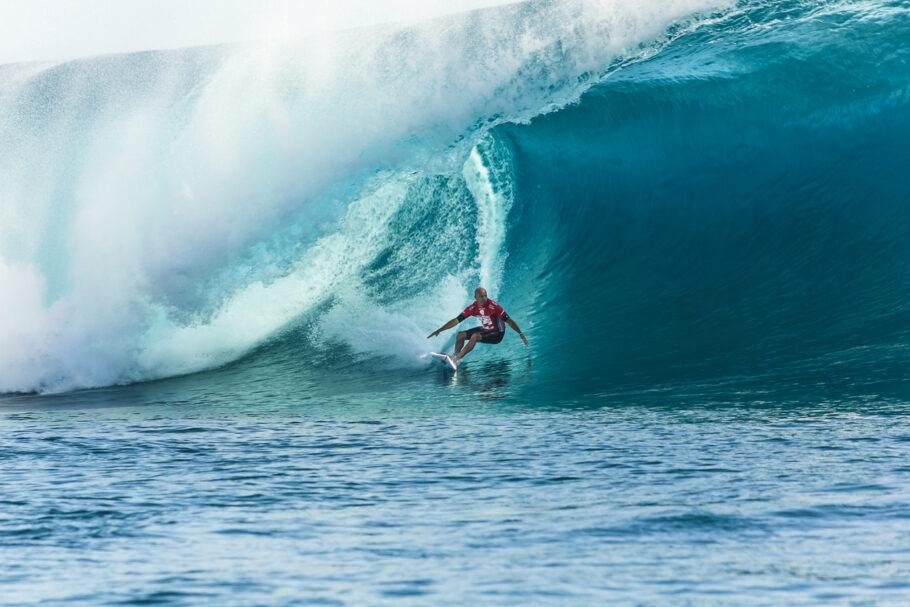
167 212
219 266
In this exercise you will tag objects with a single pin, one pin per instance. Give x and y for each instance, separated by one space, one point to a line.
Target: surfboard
445 359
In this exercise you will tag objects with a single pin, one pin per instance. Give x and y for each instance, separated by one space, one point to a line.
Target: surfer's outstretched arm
514 325
444 327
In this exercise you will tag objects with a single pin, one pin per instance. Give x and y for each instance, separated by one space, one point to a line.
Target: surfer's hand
433 334
524 339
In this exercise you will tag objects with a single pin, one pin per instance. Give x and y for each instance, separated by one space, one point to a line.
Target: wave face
654 190
736 205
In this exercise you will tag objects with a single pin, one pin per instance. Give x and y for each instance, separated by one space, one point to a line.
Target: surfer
492 317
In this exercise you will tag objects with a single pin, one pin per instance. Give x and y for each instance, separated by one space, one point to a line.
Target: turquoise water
218 268
654 498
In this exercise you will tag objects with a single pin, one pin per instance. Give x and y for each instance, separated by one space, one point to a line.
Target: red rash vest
492 316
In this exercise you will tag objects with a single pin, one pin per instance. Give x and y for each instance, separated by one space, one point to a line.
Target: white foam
494 201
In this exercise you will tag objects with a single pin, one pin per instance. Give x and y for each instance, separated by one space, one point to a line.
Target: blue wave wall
656 192
737 205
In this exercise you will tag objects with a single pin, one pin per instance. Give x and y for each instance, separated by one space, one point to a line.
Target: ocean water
218 268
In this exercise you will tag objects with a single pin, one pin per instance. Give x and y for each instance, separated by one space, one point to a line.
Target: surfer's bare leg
470 346
459 342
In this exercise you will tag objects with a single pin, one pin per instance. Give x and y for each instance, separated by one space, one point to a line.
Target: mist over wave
653 189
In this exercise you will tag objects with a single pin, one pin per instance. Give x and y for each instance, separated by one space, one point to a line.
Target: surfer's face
480 296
